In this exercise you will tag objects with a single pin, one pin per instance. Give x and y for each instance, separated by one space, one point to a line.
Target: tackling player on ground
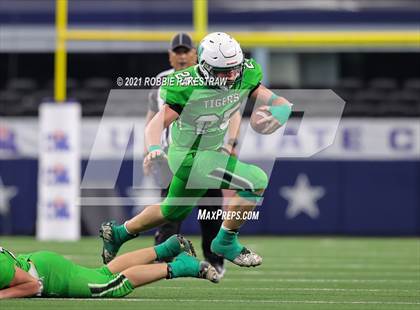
200 114
48 274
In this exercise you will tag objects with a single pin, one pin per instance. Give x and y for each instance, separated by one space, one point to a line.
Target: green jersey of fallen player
62 278
50 279
8 261
205 110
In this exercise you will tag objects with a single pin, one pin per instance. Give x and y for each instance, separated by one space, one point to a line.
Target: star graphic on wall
302 197
6 194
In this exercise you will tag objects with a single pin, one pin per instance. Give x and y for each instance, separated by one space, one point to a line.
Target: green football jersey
8 261
61 277
205 110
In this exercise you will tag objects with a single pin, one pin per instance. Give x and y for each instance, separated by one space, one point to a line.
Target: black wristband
233 142
169 271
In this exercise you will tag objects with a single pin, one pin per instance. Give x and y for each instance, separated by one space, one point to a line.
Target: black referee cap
181 40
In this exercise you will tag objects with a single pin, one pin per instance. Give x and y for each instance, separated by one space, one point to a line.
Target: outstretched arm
155 127
149 116
22 285
153 133
153 108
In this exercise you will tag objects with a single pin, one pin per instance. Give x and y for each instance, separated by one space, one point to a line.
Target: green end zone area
297 273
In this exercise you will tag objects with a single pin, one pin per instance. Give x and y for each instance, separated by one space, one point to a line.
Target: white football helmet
220 55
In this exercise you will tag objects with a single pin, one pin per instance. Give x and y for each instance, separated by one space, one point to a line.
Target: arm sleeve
175 97
253 89
176 107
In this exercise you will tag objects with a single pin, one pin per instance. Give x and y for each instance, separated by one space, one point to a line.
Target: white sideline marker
370 290
238 301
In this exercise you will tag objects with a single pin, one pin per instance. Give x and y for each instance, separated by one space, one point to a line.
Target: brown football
266 128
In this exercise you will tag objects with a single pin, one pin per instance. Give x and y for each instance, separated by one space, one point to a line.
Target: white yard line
325 280
287 289
364 266
252 301
343 256
335 273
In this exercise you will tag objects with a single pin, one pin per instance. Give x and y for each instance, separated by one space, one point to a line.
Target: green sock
226 243
226 237
121 234
168 249
184 266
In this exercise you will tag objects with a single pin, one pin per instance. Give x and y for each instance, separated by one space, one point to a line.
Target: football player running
48 274
200 115
182 55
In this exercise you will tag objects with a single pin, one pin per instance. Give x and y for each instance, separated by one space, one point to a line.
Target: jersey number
249 65
204 122
183 77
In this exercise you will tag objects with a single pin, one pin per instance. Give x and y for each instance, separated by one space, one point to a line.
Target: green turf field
297 273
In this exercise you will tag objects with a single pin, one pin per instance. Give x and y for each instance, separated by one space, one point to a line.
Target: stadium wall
366 183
